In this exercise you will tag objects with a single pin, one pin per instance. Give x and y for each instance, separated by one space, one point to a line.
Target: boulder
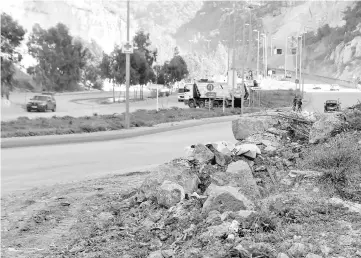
240 166
247 150
224 147
324 127
245 213
238 174
246 126
226 198
169 194
202 154
220 158
215 231
172 172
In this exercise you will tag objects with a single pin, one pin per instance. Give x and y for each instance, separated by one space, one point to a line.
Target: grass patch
340 159
24 127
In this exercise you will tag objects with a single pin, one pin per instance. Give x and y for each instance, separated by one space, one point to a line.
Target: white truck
204 93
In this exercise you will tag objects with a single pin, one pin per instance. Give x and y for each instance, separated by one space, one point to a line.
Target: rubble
323 128
247 125
209 202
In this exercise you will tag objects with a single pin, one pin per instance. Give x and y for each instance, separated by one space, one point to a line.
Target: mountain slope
105 21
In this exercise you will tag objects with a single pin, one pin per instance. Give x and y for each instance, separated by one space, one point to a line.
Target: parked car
334 87
42 103
332 106
288 75
317 88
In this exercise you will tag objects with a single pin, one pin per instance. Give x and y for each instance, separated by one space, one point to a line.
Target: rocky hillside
105 21
213 25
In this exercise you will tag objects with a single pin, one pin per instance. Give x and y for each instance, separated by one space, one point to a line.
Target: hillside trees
12 35
142 64
60 58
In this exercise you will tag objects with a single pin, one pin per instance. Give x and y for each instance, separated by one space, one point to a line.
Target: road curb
32 141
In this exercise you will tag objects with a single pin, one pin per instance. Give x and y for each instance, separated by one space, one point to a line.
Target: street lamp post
264 54
127 76
257 53
286 47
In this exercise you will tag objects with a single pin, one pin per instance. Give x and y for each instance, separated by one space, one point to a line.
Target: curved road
24 168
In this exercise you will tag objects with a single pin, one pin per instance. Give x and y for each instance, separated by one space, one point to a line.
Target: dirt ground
35 223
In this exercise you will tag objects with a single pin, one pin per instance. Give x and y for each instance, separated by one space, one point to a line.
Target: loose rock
202 154
323 127
245 126
248 150
226 198
178 174
170 194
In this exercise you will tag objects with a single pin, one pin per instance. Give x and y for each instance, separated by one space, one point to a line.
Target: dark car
332 106
41 103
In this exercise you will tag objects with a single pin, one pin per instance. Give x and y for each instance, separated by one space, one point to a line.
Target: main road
28 167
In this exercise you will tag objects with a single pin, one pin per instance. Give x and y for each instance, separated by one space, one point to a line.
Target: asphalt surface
81 105
314 101
28 167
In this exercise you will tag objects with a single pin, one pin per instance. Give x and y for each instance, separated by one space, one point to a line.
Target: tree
142 42
113 66
177 69
60 57
12 34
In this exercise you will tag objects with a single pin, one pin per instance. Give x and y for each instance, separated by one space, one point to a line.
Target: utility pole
257 53
234 54
266 54
127 76
286 46
300 62
243 61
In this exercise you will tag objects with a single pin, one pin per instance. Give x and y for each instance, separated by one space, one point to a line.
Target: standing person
294 103
299 103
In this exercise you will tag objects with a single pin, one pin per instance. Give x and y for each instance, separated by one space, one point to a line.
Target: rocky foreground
290 186
252 198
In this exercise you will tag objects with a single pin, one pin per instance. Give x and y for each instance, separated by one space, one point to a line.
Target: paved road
24 168
67 107
314 101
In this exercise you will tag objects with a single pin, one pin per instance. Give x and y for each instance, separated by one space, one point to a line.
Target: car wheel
54 109
29 110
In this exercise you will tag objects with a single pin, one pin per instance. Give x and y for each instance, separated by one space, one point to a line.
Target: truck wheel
201 104
191 104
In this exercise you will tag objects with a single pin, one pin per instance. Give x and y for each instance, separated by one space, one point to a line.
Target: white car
335 87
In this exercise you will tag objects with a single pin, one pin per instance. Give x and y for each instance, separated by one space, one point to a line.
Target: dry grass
24 126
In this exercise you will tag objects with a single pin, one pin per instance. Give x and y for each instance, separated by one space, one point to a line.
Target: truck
204 93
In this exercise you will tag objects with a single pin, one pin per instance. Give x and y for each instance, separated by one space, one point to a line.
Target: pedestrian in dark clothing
294 103
299 104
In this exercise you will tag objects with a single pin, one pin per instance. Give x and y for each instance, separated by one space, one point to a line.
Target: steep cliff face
105 21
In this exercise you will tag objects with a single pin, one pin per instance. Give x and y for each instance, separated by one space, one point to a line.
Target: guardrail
344 83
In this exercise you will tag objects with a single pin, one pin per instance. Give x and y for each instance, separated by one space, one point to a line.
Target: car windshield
181 90
43 98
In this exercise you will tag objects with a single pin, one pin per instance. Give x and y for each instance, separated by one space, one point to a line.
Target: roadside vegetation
24 126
